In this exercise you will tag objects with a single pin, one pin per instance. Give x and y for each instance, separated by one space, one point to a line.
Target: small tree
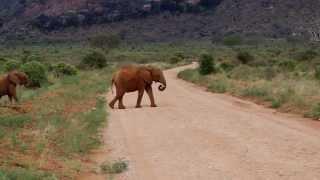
207 65
36 73
63 69
94 59
245 57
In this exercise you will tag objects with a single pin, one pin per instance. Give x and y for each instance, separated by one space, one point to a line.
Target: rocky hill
156 20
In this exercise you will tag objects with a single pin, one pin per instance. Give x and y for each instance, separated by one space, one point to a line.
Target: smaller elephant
136 78
9 82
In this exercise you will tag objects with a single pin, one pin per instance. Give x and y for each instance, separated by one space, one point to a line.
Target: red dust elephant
136 78
10 81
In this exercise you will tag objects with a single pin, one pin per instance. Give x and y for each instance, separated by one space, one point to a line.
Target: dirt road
197 135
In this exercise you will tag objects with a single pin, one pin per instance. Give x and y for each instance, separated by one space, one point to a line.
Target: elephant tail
112 83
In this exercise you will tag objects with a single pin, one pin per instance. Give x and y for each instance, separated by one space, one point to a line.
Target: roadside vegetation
279 74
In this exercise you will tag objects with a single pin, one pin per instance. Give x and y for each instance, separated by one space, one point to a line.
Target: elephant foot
122 107
111 106
154 105
138 106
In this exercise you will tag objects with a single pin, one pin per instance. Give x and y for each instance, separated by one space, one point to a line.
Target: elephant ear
146 76
13 78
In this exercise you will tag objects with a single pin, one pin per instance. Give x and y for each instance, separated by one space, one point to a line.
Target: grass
281 75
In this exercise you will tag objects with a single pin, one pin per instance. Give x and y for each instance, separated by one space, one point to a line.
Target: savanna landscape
240 98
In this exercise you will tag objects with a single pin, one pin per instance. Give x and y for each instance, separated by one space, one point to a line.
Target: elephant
10 81
130 78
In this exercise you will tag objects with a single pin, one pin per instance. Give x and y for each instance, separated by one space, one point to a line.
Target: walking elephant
9 82
136 78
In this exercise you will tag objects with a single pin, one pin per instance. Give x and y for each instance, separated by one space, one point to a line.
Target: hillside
154 20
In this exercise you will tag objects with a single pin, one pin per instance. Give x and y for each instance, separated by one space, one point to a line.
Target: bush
269 73
232 40
63 69
11 65
36 73
27 56
306 55
219 86
245 57
178 57
206 64
315 112
287 65
106 42
317 72
225 66
94 59
114 167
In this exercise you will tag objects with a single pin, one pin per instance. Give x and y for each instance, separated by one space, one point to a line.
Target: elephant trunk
163 85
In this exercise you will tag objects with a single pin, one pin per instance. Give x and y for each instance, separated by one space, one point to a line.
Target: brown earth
194 134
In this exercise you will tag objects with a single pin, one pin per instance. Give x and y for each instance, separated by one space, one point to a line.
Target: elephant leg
114 100
150 94
140 95
121 106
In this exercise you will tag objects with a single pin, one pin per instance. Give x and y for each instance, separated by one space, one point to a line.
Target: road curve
197 135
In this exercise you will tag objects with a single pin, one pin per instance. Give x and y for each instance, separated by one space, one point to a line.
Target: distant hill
158 20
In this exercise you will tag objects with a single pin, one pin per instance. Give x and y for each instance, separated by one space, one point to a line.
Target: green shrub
94 59
11 65
63 69
255 92
287 65
27 56
218 86
269 73
306 55
245 57
315 112
232 40
36 73
116 167
207 65
225 66
175 60
105 42
317 72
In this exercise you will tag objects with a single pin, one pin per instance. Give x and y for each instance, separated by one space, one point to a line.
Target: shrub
94 59
27 56
63 69
255 92
315 112
36 73
178 57
232 40
218 86
306 55
114 167
269 73
206 64
11 65
226 66
245 57
105 42
287 65
317 72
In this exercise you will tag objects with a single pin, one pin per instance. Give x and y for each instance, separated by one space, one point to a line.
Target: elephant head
157 76
18 78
